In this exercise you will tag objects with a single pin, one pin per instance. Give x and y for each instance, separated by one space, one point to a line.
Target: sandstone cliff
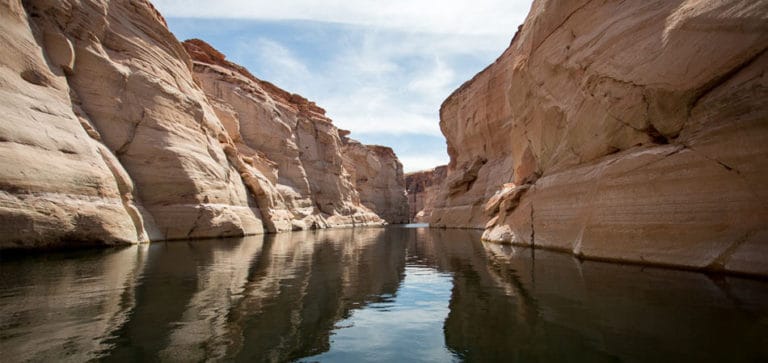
131 88
378 178
286 138
423 188
107 137
629 131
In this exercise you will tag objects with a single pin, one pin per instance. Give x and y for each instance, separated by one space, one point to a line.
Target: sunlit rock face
288 139
109 122
619 131
378 178
108 137
422 188
56 182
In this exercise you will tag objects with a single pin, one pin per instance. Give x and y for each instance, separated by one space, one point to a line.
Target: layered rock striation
286 141
378 178
422 188
619 131
108 137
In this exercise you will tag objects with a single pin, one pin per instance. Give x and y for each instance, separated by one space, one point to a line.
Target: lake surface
391 294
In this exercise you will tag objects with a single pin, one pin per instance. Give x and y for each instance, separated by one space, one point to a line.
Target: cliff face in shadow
422 188
108 137
617 131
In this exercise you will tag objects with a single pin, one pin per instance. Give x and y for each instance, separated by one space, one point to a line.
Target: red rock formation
422 188
378 177
109 138
204 53
131 86
286 138
620 131
57 184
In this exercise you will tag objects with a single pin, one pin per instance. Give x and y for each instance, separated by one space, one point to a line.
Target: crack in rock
719 262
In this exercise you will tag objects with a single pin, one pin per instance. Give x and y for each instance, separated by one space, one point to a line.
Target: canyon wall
378 178
625 131
422 188
107 137
285 138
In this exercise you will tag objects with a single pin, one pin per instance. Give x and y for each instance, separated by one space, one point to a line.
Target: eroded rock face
378 177
56 183
423 188
620 131
107 137
286 138
132 90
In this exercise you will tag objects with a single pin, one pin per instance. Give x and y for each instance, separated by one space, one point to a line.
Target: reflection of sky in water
405 327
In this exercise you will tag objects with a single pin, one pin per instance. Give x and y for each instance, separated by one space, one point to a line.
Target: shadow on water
66 305
371 294
519 304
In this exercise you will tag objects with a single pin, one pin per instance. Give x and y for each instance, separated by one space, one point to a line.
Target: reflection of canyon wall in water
101 287
202 329
277 300
508 305
342 270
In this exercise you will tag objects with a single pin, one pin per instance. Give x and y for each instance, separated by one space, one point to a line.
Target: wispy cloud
433 81
413 163
275 58
447 16
371 81
380 69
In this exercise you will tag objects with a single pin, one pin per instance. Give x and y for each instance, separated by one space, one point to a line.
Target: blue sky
380 69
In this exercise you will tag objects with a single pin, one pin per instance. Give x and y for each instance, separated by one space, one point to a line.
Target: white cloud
380 120
379 82
275 58
378 110
385 71
447 16
434 82
413 163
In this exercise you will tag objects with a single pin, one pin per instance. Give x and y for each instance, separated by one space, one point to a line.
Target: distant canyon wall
293 150
423 187
378 177
112 134
625 131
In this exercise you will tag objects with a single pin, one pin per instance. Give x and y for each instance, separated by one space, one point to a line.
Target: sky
380 68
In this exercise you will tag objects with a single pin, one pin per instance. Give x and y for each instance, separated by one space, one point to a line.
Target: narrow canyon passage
239 180
600 130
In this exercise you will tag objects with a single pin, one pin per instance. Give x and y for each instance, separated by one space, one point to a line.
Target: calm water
354 295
